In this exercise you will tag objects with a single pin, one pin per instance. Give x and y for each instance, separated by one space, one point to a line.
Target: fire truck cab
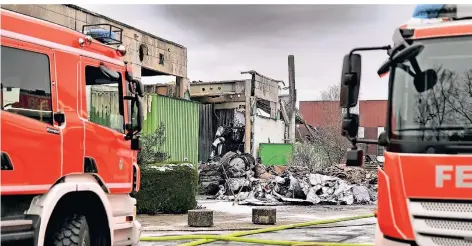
66 177
425 184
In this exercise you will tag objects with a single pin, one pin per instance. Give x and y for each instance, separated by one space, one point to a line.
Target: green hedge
167 188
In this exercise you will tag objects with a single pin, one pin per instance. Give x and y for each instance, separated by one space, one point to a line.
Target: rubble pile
237 177
209 177
355 175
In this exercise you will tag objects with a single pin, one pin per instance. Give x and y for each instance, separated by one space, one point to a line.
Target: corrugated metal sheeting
224 117
181 120
206 134
180 117
210 120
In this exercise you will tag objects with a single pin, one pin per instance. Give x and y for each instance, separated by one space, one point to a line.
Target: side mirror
110 73
350 126
129 127
382 140
350 80
139 113
355 158
425 80
136 117
136 143
129 75
139 87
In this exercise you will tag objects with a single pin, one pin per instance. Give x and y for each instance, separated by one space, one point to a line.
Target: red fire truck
425 183
65 179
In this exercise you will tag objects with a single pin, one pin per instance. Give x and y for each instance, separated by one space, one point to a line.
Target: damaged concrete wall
265 88
267 131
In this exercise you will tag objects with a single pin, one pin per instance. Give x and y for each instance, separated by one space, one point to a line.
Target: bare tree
460 98
332 144
432 106
331 94
328 147
448 102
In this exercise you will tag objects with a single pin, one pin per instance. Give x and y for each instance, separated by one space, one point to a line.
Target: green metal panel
181 120
275 154
180 117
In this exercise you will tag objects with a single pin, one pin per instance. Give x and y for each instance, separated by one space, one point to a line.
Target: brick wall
320 113
372 113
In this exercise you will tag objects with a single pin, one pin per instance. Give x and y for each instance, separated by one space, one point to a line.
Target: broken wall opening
237 105
164 84
220 125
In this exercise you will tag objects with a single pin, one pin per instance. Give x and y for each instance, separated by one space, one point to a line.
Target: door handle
59 117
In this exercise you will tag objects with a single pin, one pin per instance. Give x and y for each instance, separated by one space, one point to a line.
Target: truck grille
442 223
447 207
450 241
449 225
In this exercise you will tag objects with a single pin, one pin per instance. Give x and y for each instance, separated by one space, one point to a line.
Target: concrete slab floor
229 218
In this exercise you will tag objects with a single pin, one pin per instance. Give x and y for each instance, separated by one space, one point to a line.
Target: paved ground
228 218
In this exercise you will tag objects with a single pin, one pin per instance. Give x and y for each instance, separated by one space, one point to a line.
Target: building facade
372 114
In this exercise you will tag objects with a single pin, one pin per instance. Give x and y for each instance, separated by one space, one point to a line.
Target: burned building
241 109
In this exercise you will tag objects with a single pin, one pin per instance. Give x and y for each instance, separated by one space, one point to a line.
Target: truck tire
74 232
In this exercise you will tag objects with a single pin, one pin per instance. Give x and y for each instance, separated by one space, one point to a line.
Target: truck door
105 144
30 139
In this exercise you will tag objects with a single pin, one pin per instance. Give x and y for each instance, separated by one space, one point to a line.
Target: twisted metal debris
237 177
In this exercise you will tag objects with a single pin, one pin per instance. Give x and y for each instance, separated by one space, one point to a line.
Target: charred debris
240 178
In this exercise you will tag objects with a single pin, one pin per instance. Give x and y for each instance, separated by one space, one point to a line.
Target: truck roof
446 28
33 30
440 20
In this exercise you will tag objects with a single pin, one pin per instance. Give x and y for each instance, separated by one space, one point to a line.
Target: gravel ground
229 218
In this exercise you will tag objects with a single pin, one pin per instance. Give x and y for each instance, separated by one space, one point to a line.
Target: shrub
151 147
167 188
309 155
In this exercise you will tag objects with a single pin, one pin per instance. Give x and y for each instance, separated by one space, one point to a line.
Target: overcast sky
223 40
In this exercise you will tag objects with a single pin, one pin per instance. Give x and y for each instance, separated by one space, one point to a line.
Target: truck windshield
443 113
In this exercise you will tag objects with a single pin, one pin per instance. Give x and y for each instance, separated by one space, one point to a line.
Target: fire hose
236 237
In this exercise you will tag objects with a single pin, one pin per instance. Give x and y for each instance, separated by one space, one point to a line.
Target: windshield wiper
459 148
459 134
461 18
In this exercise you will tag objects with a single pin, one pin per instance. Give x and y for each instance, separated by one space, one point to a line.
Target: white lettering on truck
463 175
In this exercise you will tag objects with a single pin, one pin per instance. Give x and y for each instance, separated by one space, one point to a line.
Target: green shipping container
275 154
181 119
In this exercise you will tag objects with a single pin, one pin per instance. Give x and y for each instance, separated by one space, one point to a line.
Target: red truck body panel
42 153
